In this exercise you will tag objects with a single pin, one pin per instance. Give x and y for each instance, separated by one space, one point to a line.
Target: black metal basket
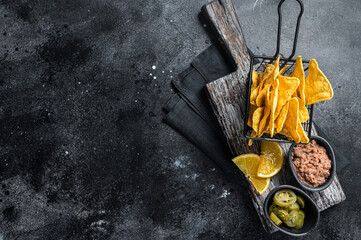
261 64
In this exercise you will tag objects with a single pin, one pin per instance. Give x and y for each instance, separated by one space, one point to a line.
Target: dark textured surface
84 154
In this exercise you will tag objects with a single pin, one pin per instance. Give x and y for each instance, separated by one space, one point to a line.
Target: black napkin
189 111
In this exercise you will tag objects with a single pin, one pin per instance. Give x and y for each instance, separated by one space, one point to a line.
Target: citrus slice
260 184
248 164
271 159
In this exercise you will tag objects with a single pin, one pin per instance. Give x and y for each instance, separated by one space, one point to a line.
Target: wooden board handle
224 21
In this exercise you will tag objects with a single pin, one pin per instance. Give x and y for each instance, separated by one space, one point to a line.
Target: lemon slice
248 164
271 159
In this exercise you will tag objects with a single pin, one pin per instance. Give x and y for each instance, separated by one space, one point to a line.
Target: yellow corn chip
287 87
291 122
317 87
256 118
273 105
280 120
301 133
252 108
265 118
266 84
299 73
255 82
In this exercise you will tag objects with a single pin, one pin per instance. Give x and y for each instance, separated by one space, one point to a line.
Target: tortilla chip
250 141
266 84
287 87
280 120
266 112
266 75
283 69
273 105
317 87
255 82
276 71
301 133
292 120
303 111
286 133
256 118
299 73
252 108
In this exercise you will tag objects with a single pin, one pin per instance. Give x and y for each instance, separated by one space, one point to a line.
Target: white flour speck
154 67
150 74
136 101
170 71
155 77
225 194
180 162
195 175
162 71
66 152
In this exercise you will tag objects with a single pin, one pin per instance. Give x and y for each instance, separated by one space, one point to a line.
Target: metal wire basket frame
262 62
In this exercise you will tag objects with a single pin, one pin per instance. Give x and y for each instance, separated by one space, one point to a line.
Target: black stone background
84 154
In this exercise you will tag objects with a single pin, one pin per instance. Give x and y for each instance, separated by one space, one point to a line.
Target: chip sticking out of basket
278 102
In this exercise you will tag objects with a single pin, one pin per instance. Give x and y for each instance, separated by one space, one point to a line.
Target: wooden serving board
227 97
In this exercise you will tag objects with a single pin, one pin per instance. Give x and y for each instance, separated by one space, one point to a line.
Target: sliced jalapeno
273 208
293 219
300 201
275 219
282 214
284 197
301 213
293 206
301 220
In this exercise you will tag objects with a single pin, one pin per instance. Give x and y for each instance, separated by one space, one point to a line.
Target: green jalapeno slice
284 197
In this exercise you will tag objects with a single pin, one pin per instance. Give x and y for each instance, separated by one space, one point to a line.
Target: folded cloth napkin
189 111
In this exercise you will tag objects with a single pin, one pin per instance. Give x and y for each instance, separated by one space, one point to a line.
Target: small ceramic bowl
322 142
312 214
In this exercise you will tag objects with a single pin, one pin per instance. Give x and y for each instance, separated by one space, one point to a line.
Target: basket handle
280 25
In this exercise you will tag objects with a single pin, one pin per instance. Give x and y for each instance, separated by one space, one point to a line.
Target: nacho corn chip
250 141
261 79
292 119
299 73
317 87
273 105
303 111
266 84
256 118
255 82
287 87
280 120
301 133
283 69
252 108
265 118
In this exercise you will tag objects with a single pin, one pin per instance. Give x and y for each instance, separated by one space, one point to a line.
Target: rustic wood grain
227 97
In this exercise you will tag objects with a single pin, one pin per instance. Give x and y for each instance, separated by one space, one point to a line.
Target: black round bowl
322 142
312 214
